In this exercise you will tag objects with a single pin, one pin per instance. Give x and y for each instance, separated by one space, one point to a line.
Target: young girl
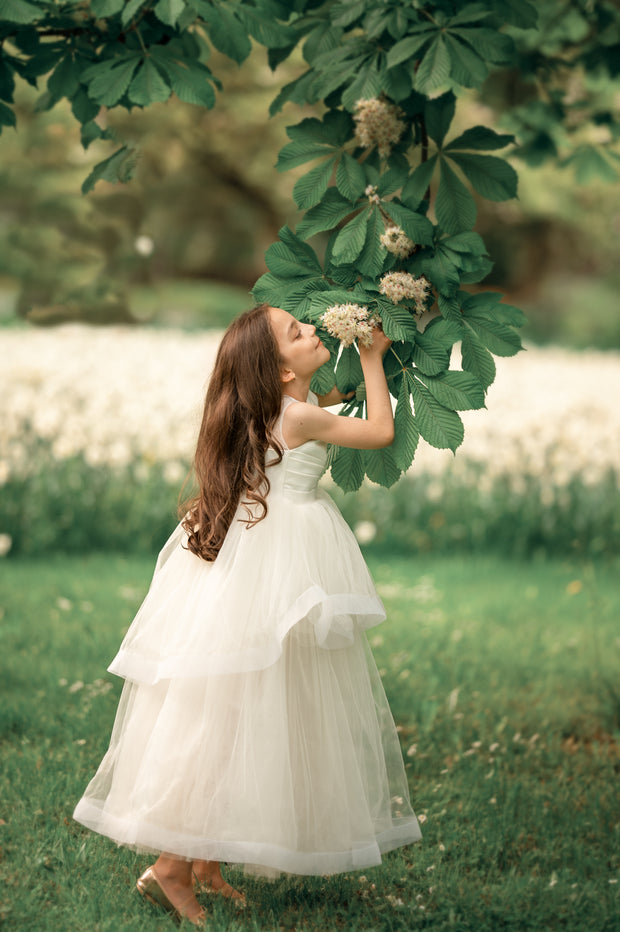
253 726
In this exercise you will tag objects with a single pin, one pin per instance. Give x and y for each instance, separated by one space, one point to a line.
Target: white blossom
378 124
397 242
401 286
349 322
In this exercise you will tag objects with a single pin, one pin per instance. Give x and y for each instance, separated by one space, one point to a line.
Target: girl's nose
313 329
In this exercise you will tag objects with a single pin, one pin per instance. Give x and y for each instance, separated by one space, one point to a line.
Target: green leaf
381 466
490 45
188 78
327 214
458 390
348 369
351 238
291 257
417 227
406 434
407 49
7 116
270 289
109 84
263 27
347 469
518 13
84 109
497 337
323 379
475 358
19 11
438 425
226 32
492 177
469 242
91 131
370 260
454 205
63 80
398 323
130 9
310 188
148 86
119 166
429 356
103 8
434 70
335 129
168 11
350 177
414 190
366 85
589 164
438 115
466 66
299 152
480 137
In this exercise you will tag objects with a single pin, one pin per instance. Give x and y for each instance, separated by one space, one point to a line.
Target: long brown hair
242 405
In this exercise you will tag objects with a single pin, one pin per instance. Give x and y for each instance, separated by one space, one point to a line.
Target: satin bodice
296 476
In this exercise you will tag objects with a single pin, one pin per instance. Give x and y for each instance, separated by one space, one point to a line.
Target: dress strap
288 400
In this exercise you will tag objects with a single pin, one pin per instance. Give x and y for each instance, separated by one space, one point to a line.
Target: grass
502 677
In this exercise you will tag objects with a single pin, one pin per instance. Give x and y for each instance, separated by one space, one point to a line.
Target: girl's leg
172 877
209 877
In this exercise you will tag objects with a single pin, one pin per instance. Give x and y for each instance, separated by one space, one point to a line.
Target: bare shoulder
302 422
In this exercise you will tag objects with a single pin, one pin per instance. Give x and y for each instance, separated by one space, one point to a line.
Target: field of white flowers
119 395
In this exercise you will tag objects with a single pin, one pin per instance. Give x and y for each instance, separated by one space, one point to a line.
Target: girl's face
301 351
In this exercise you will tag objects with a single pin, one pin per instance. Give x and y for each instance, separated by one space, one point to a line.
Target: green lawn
503 679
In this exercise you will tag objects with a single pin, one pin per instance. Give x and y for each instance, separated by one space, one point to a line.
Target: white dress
253 726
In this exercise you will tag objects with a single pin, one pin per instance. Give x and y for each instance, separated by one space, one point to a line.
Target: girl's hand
334 397
379 346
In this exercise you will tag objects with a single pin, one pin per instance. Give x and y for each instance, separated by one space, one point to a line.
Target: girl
253 726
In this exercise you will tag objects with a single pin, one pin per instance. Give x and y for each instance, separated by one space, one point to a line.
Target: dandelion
75 687
64 604
348 322
397 242
144 246
394 900
401 286
412 750
422 818
6 542
378 124
365 531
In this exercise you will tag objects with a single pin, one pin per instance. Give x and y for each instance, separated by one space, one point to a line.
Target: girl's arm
305 422
334 397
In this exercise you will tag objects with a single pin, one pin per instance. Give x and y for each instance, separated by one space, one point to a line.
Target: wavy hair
242 405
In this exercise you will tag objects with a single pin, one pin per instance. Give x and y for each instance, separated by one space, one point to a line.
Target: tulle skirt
253 726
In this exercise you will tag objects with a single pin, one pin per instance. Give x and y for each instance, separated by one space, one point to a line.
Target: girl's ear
287 375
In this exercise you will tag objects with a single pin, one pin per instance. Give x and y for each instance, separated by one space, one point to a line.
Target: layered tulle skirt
253 726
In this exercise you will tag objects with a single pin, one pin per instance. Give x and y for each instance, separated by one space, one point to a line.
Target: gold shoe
149 886
226 890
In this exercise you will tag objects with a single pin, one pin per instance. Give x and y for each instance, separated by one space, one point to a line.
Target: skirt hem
153 839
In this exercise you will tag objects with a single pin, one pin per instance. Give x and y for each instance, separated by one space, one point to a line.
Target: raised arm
304 422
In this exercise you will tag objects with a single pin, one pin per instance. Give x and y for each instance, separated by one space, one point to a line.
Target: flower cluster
397 242
401 286
371 193
378 124
348 322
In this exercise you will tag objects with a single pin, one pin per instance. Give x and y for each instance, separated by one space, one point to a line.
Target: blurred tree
108 58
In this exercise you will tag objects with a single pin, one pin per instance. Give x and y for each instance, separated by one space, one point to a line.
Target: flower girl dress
253 726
